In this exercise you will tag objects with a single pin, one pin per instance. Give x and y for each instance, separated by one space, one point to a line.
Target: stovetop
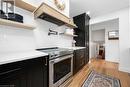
56 52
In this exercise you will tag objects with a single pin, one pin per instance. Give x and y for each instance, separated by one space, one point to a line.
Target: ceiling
111 24
96 7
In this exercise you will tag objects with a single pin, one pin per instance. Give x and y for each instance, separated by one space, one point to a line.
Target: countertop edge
10 59
74 48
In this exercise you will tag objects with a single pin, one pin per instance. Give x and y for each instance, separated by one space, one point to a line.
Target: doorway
104 40
98 41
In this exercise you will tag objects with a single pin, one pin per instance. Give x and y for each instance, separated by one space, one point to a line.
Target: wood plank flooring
101 66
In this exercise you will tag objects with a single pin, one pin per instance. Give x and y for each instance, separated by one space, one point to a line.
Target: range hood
50 14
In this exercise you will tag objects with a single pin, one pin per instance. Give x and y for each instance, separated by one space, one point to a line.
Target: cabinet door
34 73
12 75
79 60
37 72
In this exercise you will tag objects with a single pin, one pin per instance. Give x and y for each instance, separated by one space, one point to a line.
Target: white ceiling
111 24
96 7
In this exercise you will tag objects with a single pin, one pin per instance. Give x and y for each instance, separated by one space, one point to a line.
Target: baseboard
124 69
115 61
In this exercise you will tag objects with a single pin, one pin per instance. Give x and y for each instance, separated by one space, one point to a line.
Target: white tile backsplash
16 39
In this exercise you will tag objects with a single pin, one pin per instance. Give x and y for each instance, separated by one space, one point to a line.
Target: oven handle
61 58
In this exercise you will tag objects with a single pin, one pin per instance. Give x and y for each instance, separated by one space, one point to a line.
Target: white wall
98 35
129 19
16 39
124 41
92 50
124 32
111 48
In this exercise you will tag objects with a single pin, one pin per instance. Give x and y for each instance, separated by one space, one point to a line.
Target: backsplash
43 40
14 39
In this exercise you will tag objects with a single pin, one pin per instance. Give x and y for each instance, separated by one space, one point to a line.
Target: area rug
100 80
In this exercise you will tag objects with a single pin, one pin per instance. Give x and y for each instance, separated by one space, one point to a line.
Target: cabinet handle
46 62
10 71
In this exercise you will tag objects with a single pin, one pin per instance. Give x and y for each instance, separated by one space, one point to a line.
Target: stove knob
56 55
52 56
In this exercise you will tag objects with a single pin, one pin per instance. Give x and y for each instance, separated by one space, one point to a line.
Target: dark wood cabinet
37 72
82 21
12 75
79 60
28 73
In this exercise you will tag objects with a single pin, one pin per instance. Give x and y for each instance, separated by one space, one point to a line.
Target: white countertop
74 48
9 57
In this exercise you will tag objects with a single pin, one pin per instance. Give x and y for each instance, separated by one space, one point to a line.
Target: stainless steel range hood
48 13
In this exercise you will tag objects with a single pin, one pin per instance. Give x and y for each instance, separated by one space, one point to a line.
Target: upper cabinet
51 10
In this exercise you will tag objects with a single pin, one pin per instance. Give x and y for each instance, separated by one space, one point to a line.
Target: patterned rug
99 80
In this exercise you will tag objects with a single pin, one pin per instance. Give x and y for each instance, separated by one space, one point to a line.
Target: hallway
108 68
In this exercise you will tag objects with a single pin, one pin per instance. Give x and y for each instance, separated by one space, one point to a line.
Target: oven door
60 69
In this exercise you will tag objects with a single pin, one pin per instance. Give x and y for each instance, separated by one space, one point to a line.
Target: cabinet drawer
80 54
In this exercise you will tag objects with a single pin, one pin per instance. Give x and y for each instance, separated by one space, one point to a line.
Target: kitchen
41 45
38 50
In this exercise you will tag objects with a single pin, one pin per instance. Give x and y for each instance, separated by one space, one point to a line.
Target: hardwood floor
101 66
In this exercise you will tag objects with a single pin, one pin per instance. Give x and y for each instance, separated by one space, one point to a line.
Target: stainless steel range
60 65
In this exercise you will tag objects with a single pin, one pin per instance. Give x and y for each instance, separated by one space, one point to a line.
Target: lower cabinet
37 73
12 75
29 73
79 60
